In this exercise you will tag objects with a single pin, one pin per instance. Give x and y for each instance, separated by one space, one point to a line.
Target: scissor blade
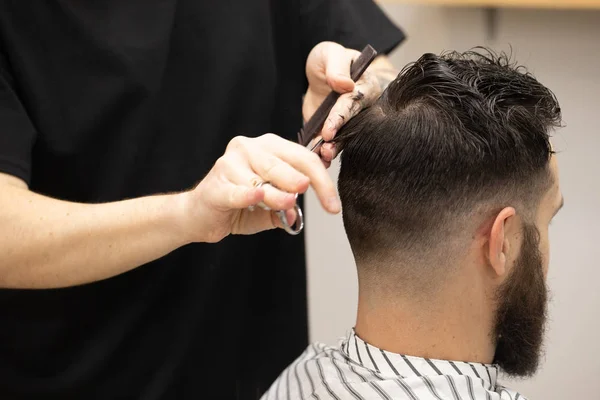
316 145
301 135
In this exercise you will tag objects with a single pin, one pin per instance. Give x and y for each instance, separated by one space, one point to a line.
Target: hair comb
314 125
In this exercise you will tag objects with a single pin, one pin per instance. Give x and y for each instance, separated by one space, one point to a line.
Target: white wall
562 48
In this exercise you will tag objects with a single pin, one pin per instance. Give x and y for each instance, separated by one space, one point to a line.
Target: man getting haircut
448 186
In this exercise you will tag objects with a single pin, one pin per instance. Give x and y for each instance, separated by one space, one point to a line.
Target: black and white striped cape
358 371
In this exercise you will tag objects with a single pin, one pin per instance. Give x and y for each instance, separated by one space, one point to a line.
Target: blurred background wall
562 49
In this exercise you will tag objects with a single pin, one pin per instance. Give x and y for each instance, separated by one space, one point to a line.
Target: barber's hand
218 206
328 68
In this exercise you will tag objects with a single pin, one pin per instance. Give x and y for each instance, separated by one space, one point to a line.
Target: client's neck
449 325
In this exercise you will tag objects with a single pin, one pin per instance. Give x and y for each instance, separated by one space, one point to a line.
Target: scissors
308 134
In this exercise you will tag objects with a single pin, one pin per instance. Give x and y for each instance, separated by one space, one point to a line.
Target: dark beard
521 315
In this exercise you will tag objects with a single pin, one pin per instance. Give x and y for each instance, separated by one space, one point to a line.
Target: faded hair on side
453 139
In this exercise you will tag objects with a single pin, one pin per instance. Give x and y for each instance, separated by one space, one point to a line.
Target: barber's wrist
177 210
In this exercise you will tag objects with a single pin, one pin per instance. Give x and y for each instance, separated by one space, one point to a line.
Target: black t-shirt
106 100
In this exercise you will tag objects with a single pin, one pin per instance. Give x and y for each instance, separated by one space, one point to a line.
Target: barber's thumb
340 82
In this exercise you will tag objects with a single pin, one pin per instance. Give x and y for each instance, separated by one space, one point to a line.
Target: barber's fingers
366 91
288 166
300 159
241 201
310 164
328 153
338 62
239 172
258 158
224 195
328 68
249 221
242 197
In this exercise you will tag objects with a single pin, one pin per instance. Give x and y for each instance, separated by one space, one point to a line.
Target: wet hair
453 139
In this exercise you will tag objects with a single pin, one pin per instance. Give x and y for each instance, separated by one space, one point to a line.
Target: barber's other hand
218 206
328 68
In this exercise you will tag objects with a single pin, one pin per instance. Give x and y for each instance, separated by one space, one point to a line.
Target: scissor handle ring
298 226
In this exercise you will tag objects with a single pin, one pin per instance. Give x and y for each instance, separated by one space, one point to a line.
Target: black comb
315 123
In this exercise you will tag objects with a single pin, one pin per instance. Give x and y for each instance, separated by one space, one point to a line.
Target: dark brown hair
451 135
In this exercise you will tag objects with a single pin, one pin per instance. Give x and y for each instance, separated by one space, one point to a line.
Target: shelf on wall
558 4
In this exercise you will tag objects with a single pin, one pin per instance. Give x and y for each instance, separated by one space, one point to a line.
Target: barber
122 276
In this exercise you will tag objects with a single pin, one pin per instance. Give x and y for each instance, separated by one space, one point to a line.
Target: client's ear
499 243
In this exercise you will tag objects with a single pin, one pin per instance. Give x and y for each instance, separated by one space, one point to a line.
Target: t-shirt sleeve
352 23
17 133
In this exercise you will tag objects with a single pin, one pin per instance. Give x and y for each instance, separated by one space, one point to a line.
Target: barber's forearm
47 243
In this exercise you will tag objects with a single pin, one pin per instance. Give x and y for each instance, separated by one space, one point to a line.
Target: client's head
448 185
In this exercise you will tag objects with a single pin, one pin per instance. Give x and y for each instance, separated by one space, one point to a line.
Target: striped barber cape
356 370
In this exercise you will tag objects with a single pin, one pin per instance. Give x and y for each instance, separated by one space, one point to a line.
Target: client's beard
521 315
